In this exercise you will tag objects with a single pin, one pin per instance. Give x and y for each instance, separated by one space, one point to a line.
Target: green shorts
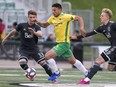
63 49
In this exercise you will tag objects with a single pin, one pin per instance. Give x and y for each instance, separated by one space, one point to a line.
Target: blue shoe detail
54 76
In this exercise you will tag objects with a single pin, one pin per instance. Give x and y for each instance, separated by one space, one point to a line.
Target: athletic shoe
55 82
84 82
54 76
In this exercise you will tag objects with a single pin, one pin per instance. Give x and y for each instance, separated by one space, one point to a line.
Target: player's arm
8 36
37 33
81 24
43 24
88 34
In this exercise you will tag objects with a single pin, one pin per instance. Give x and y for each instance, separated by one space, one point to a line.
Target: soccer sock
80 66
53 66
24 66
47 69
93 70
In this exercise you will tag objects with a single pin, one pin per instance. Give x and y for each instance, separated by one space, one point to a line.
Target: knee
22 61
71 60
42 62
97 64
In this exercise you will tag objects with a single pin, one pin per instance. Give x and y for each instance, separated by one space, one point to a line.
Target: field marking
65 85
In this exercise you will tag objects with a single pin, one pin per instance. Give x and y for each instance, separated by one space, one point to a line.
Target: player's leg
40 59
93 70
23 59
23 63
58 50
71 59
111 67
112 62
51 62
105 56
53 66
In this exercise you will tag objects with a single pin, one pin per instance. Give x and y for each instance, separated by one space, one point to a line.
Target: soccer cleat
84 82
54 76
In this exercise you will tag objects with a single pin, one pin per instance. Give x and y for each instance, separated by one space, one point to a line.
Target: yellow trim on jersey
61 26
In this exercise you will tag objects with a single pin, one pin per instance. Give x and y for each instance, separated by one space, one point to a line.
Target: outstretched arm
8 36
81 24
88 34
43 24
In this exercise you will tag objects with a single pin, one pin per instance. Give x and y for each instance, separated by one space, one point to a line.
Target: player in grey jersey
108 29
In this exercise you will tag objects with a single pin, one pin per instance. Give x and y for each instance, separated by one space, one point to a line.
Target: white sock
80 66
86 79
53 66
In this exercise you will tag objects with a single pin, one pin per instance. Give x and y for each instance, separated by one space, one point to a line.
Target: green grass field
16 78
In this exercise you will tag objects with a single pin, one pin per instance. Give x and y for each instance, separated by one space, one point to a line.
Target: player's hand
4 41
73 37
35 21
83 32
31 30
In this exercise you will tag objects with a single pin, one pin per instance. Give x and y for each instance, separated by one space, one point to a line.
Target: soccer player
61 23
108 29
29 33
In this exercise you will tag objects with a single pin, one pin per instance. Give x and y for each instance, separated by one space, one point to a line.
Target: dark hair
15 24
32 12
57 5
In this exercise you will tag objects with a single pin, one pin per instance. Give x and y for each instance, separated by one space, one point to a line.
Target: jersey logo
27 35
57 24
108 33
60 18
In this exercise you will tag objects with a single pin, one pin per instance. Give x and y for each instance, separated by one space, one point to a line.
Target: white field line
65 85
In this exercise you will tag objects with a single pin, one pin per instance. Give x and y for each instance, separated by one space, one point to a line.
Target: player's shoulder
67 14
37 26
113 23
23 24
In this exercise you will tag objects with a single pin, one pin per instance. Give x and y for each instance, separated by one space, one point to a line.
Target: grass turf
13 77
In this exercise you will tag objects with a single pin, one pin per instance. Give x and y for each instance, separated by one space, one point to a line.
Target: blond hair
108 11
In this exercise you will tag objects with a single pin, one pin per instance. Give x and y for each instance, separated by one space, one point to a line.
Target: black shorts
110 55
37 56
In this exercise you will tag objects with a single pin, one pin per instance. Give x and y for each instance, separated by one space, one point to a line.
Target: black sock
47 69
93 70
24 66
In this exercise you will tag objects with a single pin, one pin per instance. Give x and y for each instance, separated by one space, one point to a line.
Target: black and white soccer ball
30 73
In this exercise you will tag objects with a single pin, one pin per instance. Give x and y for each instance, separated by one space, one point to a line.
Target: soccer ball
30 73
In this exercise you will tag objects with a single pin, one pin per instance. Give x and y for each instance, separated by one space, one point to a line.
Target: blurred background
13 12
